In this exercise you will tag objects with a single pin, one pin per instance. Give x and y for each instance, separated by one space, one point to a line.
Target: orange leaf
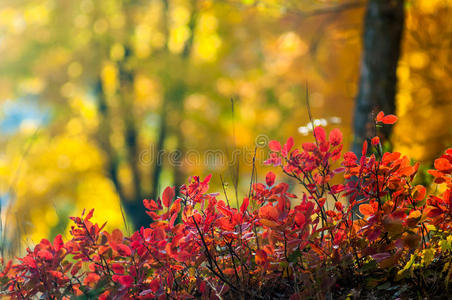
413 218
406 171
261 257
268 223
366 209
91 279
375 141
175 207
389 119
380 116
268 212
442 164
419 192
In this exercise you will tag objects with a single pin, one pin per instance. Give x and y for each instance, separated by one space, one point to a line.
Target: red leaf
335 137
320 134
154 285
309 147
89 215
117 268
270 178
56 274
364 151
375 141
244 206
350 157
116 236
125 280
76 267
274 146
339 206
168 196
337 188
172 220
150 204
45 254
300 219
153 215
380 116
58 243
389 119
287 146
207 179
261 257
433 212
123 250
372 235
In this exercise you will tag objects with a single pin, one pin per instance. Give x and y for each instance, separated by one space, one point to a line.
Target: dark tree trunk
175 93
134 207
383 27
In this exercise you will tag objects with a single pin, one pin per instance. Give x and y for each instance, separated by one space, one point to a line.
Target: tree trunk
173 101
134 208
383 27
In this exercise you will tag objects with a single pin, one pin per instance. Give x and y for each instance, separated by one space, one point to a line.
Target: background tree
424 97
382 36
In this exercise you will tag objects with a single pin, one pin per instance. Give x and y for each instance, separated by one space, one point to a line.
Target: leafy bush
384 236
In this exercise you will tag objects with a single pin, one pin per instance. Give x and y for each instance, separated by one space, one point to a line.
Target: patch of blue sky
22 112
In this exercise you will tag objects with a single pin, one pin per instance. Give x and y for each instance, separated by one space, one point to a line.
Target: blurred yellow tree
424 98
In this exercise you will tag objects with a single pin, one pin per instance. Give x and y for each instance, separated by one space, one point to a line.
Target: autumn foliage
359 222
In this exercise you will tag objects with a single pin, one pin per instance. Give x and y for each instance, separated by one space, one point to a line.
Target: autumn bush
361 228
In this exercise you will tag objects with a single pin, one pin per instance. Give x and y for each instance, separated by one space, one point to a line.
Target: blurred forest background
92 90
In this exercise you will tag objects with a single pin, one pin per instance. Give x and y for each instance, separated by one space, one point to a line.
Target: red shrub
274 245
